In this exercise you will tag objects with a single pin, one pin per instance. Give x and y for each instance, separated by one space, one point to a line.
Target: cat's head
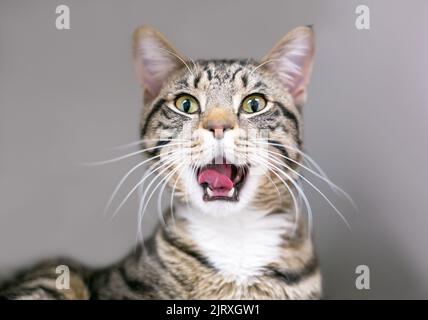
224 134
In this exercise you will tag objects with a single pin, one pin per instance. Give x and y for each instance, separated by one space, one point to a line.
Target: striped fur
258 247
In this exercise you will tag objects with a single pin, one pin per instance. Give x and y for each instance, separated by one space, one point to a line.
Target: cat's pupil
254 104
186 105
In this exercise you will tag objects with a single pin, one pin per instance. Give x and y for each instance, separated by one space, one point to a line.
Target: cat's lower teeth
231 193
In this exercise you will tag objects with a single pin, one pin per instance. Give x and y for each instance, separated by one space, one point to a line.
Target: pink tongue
217 176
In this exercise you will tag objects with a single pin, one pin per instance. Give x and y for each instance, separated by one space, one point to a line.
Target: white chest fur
239 245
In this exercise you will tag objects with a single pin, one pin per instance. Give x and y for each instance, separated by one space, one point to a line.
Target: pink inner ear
292 61
153 64
293 68
144 81
150 67
151 85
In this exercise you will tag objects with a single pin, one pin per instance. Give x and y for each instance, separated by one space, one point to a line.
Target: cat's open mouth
221 181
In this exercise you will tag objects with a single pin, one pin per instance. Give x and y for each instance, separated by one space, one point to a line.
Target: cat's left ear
155 59
291 61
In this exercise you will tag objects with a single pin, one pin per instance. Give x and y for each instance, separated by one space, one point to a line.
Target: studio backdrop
69 96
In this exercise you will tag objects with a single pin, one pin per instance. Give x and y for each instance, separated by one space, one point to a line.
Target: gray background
66 97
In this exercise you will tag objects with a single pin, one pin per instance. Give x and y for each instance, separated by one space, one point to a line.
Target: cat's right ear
155 58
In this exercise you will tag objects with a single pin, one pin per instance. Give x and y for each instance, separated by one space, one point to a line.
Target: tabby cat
226 137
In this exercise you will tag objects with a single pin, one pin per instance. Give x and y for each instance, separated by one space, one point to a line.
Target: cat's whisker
107 207
316 189
336 189
155 166
262 64
237 152
329 182
148 174
150 171
265 141
321 175
274 184
190 174
128 155
162 182
179 58
159 204
271 167
301 195
171 208
143 198
305 155
299 189
313 186
122 181
195 67
139 142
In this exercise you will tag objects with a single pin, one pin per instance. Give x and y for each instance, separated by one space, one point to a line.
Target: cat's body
236 230
171 265
232 266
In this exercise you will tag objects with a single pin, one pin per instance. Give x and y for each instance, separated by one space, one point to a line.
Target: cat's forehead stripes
218 72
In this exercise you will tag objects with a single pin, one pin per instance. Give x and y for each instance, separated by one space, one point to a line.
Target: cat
227 135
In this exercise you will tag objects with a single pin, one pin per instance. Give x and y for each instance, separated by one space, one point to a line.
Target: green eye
187 104
254 103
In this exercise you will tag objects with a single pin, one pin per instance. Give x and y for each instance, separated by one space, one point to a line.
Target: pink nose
218 127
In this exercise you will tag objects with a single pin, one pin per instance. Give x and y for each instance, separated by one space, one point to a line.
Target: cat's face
224 132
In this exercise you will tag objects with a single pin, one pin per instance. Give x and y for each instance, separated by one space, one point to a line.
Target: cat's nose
218 121
218 127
